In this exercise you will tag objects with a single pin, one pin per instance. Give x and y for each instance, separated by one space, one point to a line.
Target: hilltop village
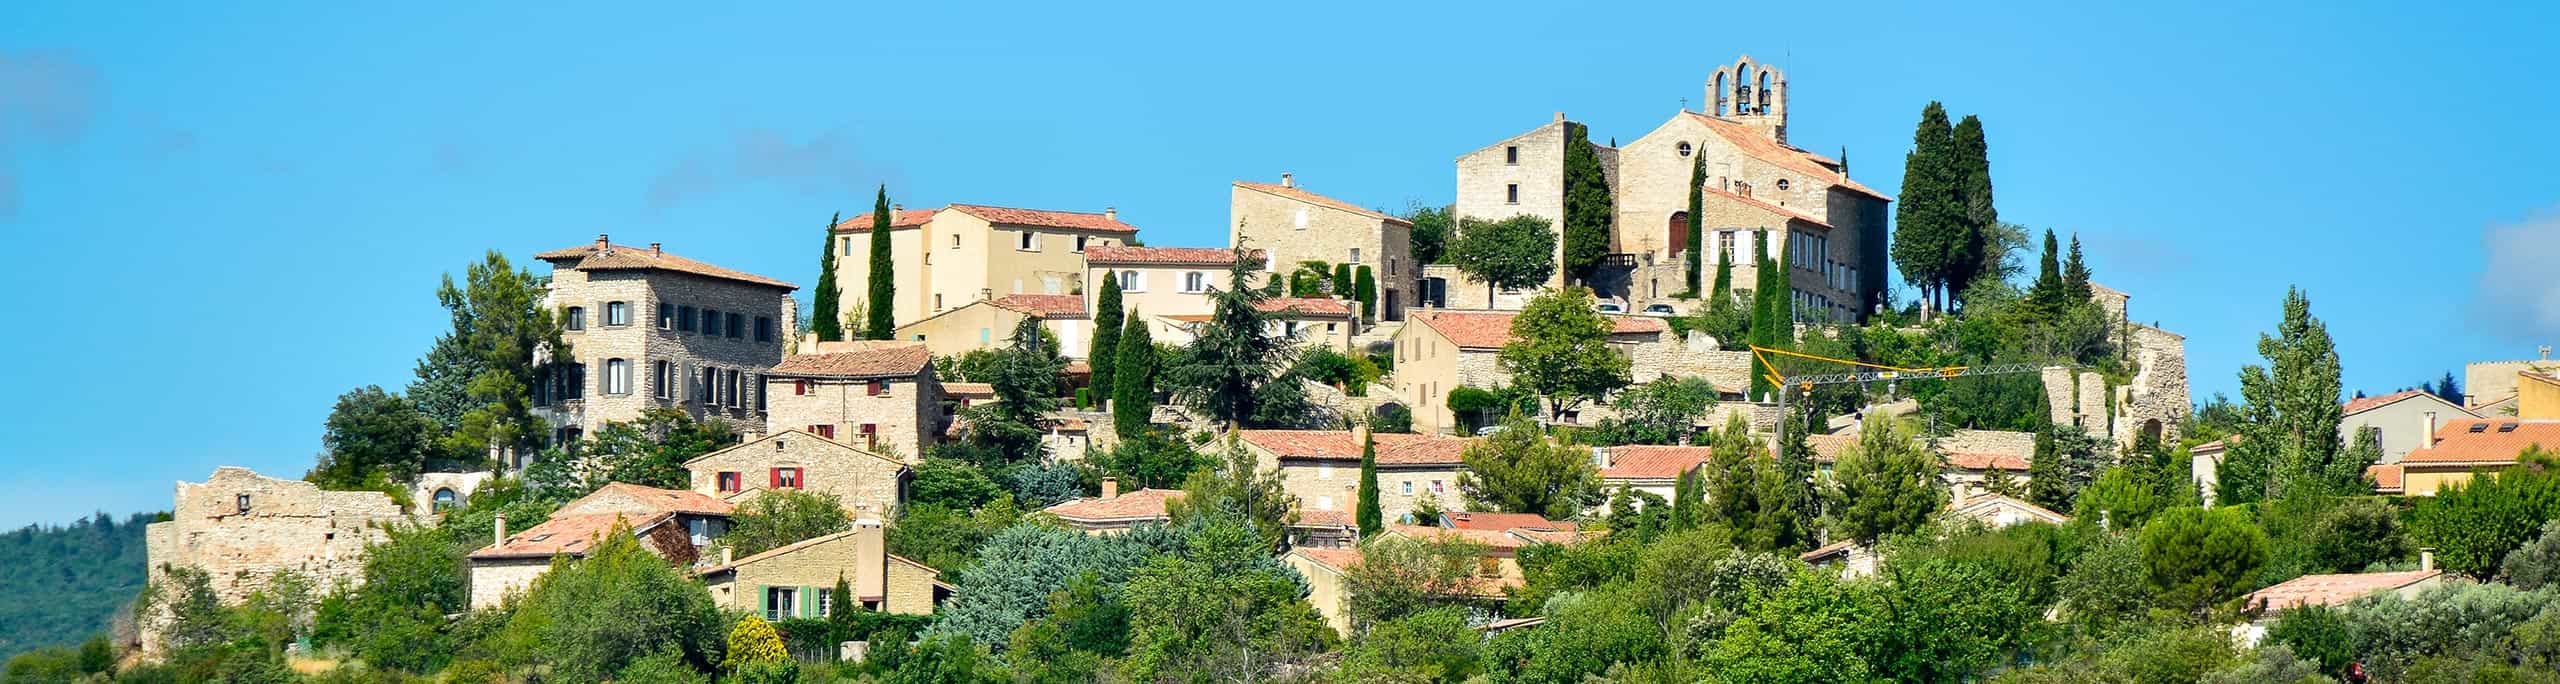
1658 411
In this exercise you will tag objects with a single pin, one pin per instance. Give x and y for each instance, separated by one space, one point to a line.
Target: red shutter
879 386
800 387
776 479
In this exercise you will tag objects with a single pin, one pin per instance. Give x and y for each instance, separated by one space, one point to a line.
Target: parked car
1610 308
1660 311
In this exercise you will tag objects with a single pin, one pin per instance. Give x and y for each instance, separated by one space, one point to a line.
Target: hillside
67 582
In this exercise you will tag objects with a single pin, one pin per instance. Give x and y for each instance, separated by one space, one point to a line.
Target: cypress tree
1105 352
1364 287
1587 205
2075 275
1696 238
1928 228
1972 166
826 310
2044 474
1772 311
882 304
1724 276
2047 293
1133 380
1684 513
1342 280
1369 516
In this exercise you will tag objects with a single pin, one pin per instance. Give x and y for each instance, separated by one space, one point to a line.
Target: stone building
435 493
1757 185
242 529
880 396
1161 281
1322 468
2156 401
647 329
798 580
989 323
946 258
2488 387
866 483
1290 225
1438 351
670 524
1654 469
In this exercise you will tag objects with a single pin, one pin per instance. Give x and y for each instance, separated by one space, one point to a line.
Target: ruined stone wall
242 529
2156 400
2021 444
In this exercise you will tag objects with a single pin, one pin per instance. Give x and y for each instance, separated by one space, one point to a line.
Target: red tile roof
1338 559
573 535
898 220
2214 447
1500 541
2361 405
1043 305
1301 195
1828 447
1760 146
2330 590
646 500
1481 330
2497 441
1129 507
1304 306
611 257
1325 518
1970 460
1498 522
2386 477
1652 462
1337 445
971 390
889 360
1772 208
1167 256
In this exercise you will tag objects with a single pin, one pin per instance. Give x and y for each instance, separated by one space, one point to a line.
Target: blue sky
224 215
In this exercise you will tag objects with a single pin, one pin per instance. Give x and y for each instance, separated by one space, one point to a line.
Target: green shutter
809 608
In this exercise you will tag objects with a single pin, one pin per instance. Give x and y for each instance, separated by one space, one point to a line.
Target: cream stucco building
798 580
946 258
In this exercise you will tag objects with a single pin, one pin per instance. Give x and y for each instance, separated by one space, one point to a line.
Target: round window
1782 184
1685 149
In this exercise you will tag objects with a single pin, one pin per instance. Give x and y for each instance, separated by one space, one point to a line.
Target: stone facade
2020 444
2156 401
242 528
869 485
946 258
1322 468
888 405
435 493
2485 383
647 329
1290 225
1445 287
796 581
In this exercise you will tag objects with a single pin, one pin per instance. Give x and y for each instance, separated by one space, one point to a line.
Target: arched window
445 500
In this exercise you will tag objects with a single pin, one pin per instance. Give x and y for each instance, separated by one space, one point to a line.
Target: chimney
2427 558
1111 213
1559 117
895 208
2428 438
1288 180
498 528
602 241
728 556
1359 433
871 558
1110 488
657 249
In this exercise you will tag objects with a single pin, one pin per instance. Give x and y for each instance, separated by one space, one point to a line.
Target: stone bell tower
1752 94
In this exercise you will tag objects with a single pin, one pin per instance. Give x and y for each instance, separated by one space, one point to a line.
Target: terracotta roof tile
1828 447
625 258
898 220
1498 522
2386 477
1652 462
1304 306
1759 146
1971 460
1129 507
1325 518
972 390
573 535
2330 590
2364 404
1302 195
1169 256
888 360
1500 541
1338 445
1772 208
649 500
1338 559
1043 305
2215 446
2485 441
1986 501
1484 330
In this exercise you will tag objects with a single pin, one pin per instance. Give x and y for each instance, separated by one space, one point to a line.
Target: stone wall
1465 293
1486 175
647 339
493 580
422 494
867 485
2156 400
242 528
1290 230
2021 444
905 417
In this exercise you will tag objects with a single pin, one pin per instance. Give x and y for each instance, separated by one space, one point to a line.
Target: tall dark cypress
1364 287
1772 309
1972 167
1104 355
1342 280
1587 204
2047 293
827 321
1724 276
1133 380
1928 228
1697 209
2075 275
1684 513
1369 516
882 307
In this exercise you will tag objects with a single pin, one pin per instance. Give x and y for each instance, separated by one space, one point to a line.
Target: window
1391 265
1080 244
826 601
684 318
710 387
1195 281
799 388
955 240
848 245
730 482
876 388
870 435
1782 184
1511 194
1030 242
737 326
1133 281
737 399
1435 487
617 376
444 499
1355 255
781 603
575 382
761 391
241 503
1299 219
1511 155
617 313
575 319
786 478
764 329
1685 149
827 431
658 379
666 316
937 301
711 322
1408 488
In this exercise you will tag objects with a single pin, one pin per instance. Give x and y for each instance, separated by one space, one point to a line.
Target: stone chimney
657 249
1288 180
894 208
1559 117
2427 558
602 241
728 555
1111 213
498 528
2427 439
871 558
1110 488
1359 434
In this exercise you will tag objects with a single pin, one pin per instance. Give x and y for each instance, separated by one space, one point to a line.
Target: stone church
1832 229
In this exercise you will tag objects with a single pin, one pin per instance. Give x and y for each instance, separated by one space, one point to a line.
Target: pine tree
1696 239
1341 280
1133 384
2075 275
2290 443
824 312
1370 518
1928 230
1587 204
1235 355
2045 485
1364 287
1973 192
881 305
1105 352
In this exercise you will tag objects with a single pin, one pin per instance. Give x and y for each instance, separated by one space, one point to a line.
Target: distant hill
65 583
